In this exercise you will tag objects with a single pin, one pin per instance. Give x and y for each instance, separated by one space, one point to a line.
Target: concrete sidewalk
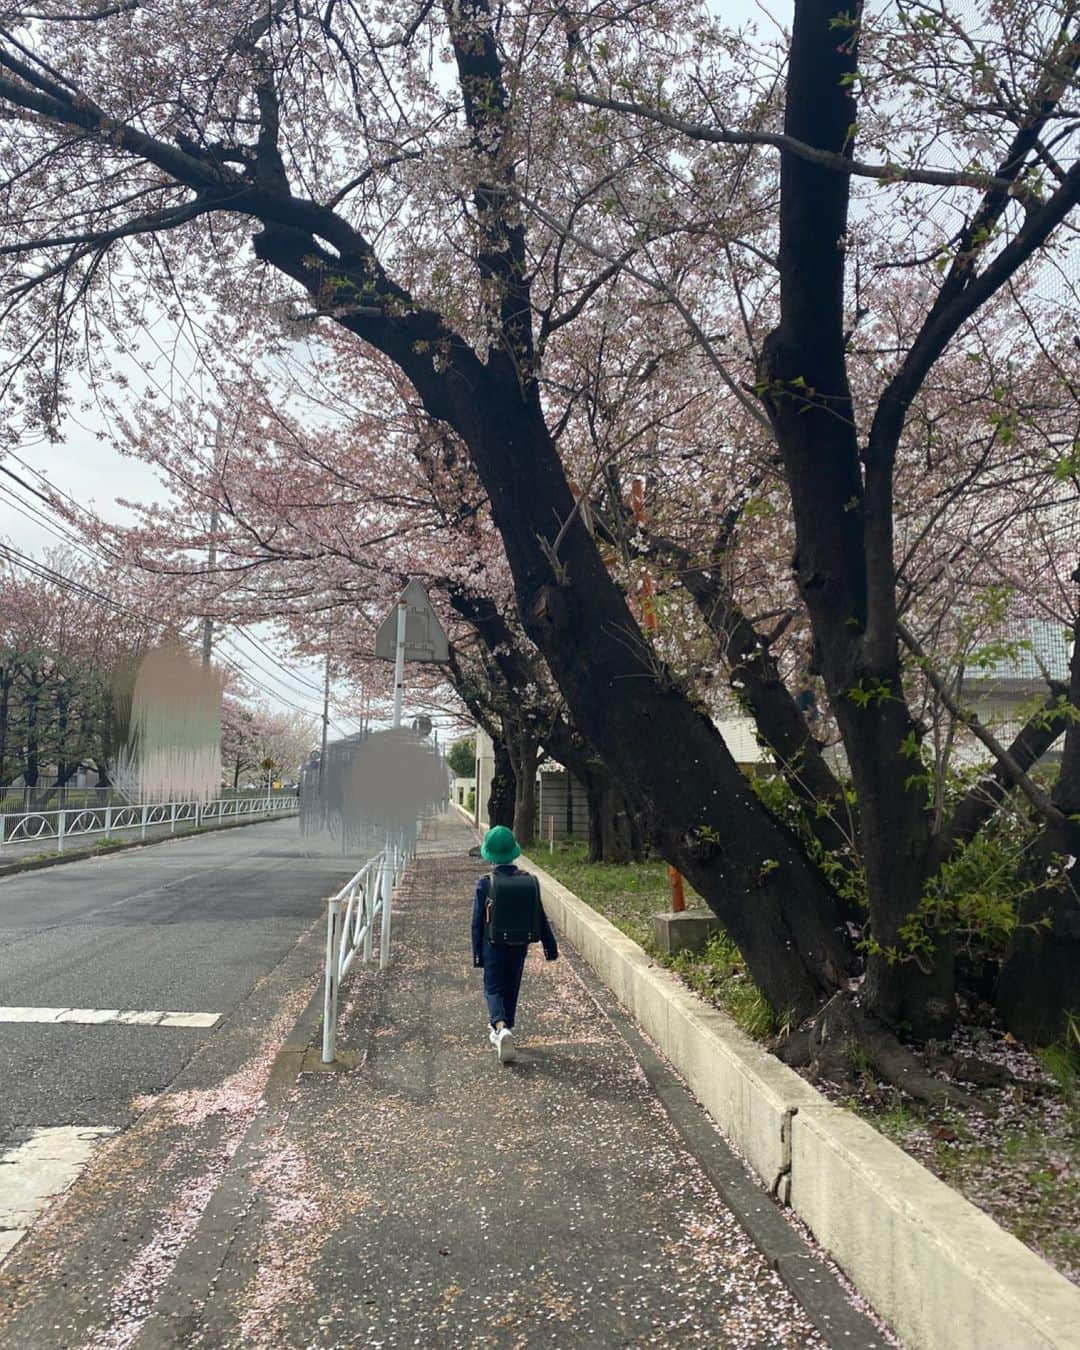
427 1196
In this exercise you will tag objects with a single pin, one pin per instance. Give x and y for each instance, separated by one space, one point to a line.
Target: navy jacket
547 937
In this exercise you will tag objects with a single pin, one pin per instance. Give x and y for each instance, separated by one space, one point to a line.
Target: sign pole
399 660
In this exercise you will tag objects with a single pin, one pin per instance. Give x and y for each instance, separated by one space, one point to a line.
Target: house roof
1047 647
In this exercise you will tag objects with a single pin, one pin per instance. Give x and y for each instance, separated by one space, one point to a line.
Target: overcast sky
95 475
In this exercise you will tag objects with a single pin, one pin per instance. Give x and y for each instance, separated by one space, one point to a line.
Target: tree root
971 1069
794 1049
845 1041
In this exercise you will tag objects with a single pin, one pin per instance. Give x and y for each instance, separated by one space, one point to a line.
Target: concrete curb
940 1271
748 1092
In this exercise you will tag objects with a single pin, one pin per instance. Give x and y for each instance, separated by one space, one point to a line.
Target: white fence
350 924
54 829
16 801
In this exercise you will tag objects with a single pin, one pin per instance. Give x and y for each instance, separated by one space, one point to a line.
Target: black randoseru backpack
513 910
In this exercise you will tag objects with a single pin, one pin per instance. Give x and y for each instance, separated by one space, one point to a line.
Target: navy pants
503 966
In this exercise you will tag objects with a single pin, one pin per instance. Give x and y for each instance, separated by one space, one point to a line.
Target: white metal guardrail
55 828
350 924
19 801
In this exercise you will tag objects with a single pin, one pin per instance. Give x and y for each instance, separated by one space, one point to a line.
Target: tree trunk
698 809
64 774
843 516
614 833
31 772
524 757
66 762
501 800
912 994
106 739
1040 979
5 712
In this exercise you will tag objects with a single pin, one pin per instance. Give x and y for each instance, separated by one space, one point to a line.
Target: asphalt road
186 926
429 1197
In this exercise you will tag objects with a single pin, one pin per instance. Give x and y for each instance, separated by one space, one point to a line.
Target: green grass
628 895
894 1119
106 845
1025 1174
1062 1063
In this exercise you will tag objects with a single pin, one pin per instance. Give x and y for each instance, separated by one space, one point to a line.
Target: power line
265 651
261 647
44 573
37 517
273 693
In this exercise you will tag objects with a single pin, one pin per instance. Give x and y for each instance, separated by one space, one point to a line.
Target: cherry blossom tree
301 509
434 188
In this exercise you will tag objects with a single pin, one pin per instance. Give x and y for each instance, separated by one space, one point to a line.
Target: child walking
503 961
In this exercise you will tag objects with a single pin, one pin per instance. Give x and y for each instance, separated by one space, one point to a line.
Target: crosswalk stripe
38 1168
101 1016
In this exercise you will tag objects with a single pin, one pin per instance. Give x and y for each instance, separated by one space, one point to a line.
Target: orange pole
678 899
637 499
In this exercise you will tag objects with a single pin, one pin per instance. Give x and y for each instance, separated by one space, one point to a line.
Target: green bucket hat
500 846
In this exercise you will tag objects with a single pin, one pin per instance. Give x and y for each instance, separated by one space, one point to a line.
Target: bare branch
93 16
749 405
1031 790
826 159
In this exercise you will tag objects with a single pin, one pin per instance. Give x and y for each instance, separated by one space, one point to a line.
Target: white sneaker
493 1036
505 1046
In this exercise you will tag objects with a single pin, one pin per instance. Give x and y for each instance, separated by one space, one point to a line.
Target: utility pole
211 564
323 814
211 553
325 710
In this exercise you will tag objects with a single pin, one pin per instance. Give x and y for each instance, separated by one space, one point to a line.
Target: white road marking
177 1019
90 1016
100 1016
37 1170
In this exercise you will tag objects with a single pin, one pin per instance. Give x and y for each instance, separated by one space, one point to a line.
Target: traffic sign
425 637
